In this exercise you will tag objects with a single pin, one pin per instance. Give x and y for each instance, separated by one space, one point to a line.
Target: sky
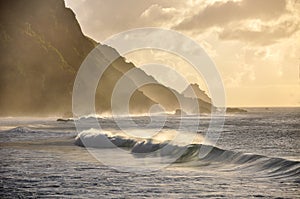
255 44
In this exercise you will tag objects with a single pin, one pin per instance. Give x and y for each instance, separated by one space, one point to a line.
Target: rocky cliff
42 47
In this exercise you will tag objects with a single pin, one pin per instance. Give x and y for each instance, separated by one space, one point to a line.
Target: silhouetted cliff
42 47
193 90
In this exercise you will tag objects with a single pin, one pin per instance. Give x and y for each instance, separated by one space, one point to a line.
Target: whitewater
256 156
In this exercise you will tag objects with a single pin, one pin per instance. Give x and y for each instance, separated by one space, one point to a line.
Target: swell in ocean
192 156
257 155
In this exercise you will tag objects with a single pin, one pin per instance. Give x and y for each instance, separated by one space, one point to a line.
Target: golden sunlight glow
255 44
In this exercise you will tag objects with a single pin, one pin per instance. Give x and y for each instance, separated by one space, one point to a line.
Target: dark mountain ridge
42 47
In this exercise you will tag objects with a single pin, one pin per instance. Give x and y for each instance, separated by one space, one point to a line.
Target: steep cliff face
41 49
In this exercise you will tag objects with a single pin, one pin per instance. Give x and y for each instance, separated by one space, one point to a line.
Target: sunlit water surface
257 155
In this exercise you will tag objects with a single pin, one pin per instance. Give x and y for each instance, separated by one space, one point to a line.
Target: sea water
256 155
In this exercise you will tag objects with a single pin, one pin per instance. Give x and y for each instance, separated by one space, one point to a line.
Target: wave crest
142 148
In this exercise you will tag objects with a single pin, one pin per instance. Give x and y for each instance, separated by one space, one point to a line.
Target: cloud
236 33
220 13
256 22
156 14
264 35
100 19
157 11
243 75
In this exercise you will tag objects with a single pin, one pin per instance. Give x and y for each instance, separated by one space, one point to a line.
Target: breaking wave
192 153
160 146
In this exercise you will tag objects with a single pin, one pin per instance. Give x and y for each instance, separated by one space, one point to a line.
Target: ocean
257 155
